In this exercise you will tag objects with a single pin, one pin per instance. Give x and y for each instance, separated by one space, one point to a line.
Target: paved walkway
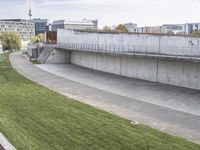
5 144
168 108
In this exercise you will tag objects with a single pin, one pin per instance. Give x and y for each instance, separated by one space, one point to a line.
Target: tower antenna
30 11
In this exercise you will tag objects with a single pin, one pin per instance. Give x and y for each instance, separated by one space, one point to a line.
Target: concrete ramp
45 54
51 55
58 57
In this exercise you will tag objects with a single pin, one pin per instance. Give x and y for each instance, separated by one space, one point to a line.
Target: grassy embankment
33 117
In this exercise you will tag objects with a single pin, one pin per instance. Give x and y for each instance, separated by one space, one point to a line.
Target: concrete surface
45 54
5 143
150 43
58 56
173 72
181 99
170 109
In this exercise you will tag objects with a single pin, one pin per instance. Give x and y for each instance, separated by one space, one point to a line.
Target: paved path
171 109
5 144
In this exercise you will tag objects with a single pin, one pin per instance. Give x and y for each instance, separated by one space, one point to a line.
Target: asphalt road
171 109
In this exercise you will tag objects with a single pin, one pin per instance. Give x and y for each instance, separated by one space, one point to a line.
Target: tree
38 38
10 41
41 36
121 28
34 39
196 33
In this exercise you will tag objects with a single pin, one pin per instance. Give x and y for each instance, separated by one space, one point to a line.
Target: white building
132 27
172 29
75 25
181 29
24 28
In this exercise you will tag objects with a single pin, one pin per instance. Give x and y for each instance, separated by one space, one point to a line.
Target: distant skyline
108 12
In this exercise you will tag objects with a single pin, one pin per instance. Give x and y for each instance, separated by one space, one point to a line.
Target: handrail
169 51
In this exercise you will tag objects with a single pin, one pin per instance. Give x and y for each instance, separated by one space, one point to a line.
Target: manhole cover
134 123
1 147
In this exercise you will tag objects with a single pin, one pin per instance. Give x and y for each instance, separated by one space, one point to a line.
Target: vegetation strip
34 117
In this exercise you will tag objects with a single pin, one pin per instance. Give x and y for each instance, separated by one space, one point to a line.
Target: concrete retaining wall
179 73
162 44
53 56
45 54
176 73
58 57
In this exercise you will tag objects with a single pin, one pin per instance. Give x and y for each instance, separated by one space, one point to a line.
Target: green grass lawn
33 117
35 62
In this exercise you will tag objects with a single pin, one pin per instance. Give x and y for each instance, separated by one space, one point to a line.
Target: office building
132 27
180 29
24 28
191 27
172 29
58 24
41 25
95 22
75 25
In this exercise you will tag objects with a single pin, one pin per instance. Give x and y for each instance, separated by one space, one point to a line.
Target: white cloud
55 2
109 12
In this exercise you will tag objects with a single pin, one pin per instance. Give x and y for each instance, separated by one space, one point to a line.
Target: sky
108 12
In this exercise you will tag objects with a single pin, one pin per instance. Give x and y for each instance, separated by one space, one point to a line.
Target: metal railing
156 51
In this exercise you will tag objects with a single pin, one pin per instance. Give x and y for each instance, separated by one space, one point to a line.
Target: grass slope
33 117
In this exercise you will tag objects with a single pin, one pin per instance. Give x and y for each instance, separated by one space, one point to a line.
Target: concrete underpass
156 84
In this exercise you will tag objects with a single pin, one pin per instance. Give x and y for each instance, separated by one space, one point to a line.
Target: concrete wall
179 73
45 54
176 73
58 57
54 56
165 44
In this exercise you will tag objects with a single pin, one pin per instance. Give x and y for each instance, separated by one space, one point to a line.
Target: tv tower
30 11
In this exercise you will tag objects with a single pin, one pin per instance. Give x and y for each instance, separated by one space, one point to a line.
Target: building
190 27
75 25
132 27
95 22
151 29
24 28
184 29
181 29
41 25
172 29
51 37
58 24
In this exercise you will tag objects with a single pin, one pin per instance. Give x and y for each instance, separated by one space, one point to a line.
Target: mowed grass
35 62
35 118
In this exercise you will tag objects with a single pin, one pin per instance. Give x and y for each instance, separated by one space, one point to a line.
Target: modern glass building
24 28
41 25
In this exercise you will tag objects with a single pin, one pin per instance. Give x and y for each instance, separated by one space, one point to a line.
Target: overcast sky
108 12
